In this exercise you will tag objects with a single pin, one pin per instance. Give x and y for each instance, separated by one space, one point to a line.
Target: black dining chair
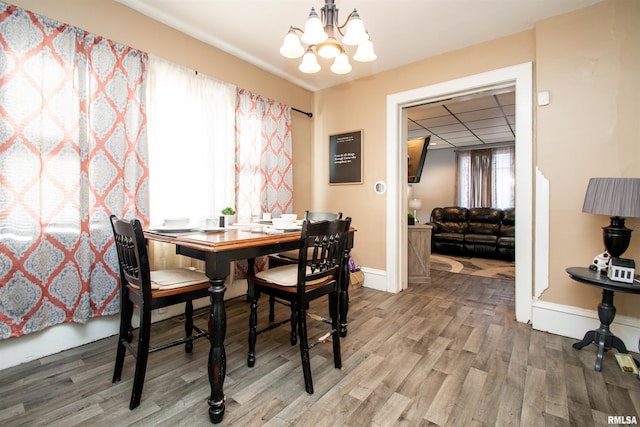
291 257
316 273
149 290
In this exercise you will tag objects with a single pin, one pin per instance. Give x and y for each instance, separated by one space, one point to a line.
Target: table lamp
618 198
415 205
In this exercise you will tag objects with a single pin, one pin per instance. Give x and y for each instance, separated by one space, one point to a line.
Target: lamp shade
356 33
617 197
341 64
309 63
313 29
415 204
291 48
365 52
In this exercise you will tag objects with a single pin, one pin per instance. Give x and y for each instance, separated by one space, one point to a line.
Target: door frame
521 78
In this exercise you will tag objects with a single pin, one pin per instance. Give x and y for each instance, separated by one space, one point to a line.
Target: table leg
602 336
344 295
217 357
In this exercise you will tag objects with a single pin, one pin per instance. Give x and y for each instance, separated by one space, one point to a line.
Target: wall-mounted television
417 153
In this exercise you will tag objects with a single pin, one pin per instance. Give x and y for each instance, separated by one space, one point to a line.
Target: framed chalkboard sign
345 158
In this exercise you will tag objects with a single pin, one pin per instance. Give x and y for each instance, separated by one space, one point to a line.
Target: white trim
375 279
542 234
521 77
574 322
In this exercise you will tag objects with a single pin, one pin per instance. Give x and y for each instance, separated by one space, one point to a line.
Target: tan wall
589 61
362 105
119 23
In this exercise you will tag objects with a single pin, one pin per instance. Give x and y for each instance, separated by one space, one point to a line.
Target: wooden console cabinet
419 253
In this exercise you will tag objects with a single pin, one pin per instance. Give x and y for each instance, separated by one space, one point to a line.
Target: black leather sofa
474 232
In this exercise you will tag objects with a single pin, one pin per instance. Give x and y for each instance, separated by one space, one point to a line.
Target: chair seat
287 275
176 278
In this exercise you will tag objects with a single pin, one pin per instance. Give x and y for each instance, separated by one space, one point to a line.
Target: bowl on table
291 217
283 223
176 222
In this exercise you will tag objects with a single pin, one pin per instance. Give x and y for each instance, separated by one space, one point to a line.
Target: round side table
602 337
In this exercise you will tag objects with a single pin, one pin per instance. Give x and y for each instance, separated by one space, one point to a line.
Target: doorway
519 77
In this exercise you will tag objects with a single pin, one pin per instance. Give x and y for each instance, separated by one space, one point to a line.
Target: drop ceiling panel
487 118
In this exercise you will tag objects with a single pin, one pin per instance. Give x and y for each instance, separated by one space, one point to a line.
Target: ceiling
402 31
478 119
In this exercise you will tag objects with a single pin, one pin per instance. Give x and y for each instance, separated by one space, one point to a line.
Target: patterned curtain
72 152
264 164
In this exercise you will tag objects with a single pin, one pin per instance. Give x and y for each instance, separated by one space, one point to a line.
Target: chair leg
125 334
253 323
294 322
188 325
335 332
304 349
143 355
272 308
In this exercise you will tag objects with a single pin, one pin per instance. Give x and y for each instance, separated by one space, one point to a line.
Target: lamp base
616 236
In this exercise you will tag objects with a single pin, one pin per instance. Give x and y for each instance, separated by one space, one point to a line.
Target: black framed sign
345 158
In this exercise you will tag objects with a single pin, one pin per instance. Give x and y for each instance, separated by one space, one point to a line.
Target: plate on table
167 229
211 229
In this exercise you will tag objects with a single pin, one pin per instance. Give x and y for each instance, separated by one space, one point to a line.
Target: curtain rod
303 112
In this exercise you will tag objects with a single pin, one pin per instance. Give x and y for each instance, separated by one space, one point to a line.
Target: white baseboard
375 279
574 322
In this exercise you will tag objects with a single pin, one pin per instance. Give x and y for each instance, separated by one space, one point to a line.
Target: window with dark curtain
486 177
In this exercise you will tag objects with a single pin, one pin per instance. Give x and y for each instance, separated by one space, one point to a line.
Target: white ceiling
402 31
475 120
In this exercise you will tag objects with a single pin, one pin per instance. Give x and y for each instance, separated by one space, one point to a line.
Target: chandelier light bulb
341 64
313 29
329 49
309 63
291 48
365 52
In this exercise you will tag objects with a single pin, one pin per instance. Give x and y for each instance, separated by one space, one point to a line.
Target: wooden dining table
218 249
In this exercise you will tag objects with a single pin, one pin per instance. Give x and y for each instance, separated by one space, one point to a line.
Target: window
190 120
486 178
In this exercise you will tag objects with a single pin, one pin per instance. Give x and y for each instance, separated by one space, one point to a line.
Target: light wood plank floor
447 353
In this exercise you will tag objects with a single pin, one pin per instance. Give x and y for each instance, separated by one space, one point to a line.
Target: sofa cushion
449 237
484 239
508 226
484 221
451 219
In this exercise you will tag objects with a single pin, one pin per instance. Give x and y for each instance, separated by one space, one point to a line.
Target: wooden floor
448 353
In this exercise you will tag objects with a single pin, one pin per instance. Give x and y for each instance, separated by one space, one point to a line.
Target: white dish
211 229
180 222
291 217
283 223
166 229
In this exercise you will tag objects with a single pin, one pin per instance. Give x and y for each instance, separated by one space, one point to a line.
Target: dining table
218 248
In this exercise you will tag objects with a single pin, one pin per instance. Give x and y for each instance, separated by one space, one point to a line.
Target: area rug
497 269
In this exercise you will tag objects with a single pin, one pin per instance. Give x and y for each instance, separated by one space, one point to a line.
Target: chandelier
320 35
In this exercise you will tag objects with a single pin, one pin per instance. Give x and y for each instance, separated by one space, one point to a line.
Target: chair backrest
322 216
322 248
132 254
